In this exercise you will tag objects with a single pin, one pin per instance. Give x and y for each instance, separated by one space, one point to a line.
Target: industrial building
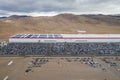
71 38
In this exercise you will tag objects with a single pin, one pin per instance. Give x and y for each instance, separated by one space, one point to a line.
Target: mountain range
60 24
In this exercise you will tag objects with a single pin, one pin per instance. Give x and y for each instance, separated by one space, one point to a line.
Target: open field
57 68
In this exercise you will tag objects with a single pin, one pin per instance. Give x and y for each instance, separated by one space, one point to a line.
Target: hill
62 23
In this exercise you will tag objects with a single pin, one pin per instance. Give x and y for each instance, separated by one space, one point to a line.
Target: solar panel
50 36
28 36
34 36
57 35
43 36
37 36
23 36
17 36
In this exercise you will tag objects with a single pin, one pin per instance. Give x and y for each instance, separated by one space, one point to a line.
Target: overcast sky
52 7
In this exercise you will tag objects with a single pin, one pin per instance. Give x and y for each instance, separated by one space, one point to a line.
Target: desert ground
59 24
58 68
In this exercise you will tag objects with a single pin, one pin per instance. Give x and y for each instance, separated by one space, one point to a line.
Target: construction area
60 68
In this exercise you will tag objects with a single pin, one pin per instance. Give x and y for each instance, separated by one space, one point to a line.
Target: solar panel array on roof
37 36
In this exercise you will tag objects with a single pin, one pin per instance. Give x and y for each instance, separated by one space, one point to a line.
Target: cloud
59 6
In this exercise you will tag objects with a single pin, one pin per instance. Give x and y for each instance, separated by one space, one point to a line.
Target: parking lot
59 68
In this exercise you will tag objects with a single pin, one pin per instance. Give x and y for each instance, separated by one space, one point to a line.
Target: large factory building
57 38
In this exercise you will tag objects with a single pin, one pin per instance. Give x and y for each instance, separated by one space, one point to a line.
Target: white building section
81 31
54 38
6 78
10 63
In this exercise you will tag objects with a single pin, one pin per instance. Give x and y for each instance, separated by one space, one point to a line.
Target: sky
54 7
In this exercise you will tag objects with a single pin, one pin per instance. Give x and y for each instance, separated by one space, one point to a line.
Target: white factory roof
55 36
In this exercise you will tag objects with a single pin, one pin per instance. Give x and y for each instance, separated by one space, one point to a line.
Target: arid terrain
57 68
62 23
